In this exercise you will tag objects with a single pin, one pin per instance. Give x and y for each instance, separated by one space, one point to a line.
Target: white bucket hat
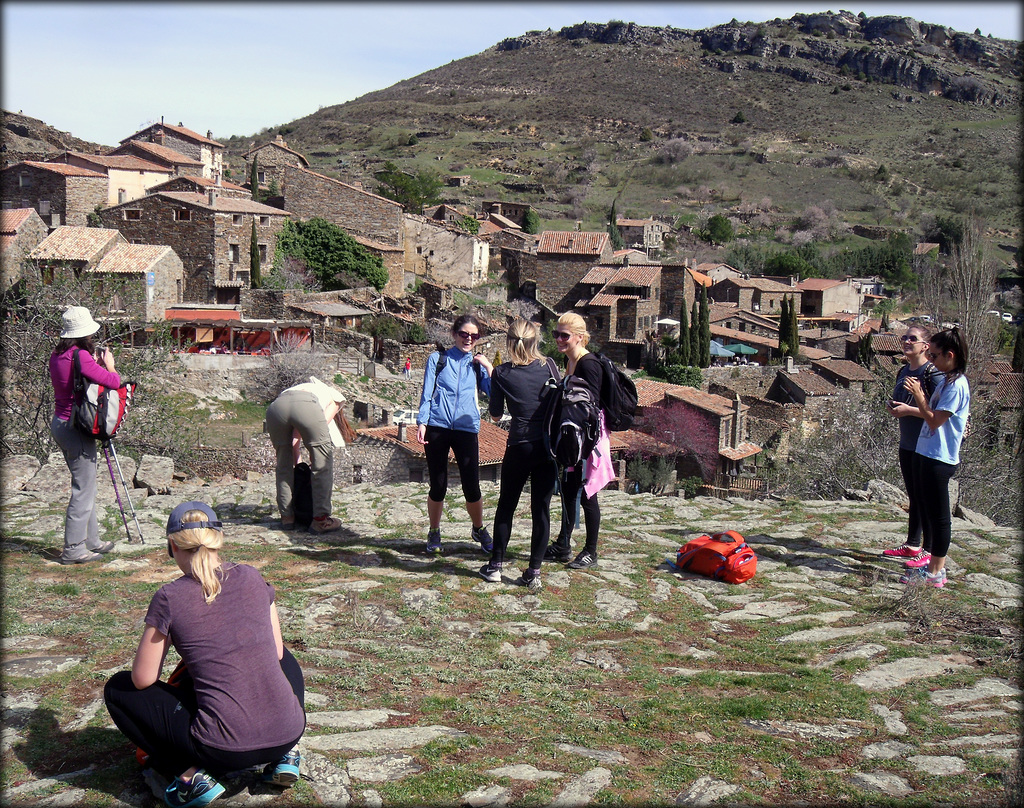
77 322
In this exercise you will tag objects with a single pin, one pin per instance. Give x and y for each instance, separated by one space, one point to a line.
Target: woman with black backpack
522 384
580 483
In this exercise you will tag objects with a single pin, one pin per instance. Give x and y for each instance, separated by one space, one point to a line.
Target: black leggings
932 478
466 446
525 461
914 532
572 484
158 719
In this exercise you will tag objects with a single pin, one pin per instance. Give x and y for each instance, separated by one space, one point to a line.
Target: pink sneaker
903 551
920 560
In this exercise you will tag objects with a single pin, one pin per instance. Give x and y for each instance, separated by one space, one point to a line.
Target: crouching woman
239 701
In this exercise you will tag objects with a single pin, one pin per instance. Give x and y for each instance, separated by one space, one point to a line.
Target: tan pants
301 411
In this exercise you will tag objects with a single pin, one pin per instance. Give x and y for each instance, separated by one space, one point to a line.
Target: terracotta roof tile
603 300
492 440
165 153
572 242
845 369
1009 390
13 218
818 284
599 274
811 383
643 275
633 441
709 402
742 450
183 131
127 162
70 243
131 258
61 168
700 277
221 204
886 343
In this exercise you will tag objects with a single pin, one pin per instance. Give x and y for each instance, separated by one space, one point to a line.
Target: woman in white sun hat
82 541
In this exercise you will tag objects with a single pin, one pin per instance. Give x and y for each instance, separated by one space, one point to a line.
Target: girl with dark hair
449 419
937 454
915 551
82 541
520 384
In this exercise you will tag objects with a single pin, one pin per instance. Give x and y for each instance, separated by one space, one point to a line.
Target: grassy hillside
676 122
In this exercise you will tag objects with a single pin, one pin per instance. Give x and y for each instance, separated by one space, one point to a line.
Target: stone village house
210 232
21 230
271 159
128 176
155 271
205 151
562 260
58 192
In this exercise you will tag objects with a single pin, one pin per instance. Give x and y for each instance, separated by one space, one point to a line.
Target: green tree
413 191
254 258
330 254
684 336
864 352
613 229
719 230
531 222
470 224
789 263
695 334
705 329
254 185
784 326
794 330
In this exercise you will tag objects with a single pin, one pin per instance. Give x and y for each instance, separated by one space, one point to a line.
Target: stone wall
356 212
168 276
746 380
443 255
71 199
557 277
271 161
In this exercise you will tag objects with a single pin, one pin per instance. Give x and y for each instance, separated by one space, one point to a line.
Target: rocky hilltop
894 50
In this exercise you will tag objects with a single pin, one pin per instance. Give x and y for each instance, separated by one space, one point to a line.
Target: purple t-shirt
245 701
62 375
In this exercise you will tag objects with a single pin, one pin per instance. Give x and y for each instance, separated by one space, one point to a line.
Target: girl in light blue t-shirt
938 447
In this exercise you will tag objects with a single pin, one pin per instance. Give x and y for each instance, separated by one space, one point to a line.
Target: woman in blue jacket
449 419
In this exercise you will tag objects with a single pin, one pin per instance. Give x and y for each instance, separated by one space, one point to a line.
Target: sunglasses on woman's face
468 335
561 335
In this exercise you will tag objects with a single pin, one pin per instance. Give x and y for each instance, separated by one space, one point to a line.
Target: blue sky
101 71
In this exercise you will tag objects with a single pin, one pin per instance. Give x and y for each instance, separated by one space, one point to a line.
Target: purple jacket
62 374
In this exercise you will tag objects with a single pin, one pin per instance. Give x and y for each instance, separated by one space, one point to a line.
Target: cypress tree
784 327
695 334
1018 350
684 336
254 186
254 259
613 230
794 329
705 328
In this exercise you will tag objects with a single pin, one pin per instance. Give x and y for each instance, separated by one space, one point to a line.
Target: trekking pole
108 450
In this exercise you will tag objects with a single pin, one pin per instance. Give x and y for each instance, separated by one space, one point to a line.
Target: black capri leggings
159 718
932 479
466 446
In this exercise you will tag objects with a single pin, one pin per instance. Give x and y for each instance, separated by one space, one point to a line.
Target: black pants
932 478
159 718
914 533
466 446
571 481
525 461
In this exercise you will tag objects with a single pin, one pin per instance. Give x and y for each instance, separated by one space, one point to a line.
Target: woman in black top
520 384
571 336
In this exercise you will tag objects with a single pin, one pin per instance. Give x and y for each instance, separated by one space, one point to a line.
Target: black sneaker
481 535
558 552
529 579
433 542
583 560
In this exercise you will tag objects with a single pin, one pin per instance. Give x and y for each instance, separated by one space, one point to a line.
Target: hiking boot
530 579
202 790
288 525
324 524
918 576
490 573
903 551
434 542
583 560
285 771
84 559
481 535
560 551
920 560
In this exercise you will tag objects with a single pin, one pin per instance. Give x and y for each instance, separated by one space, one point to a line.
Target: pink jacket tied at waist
599 467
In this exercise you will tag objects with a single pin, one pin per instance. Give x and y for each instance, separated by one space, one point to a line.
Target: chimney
209 134
790 366
217 177
737 426
212 194
120 195
401 431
